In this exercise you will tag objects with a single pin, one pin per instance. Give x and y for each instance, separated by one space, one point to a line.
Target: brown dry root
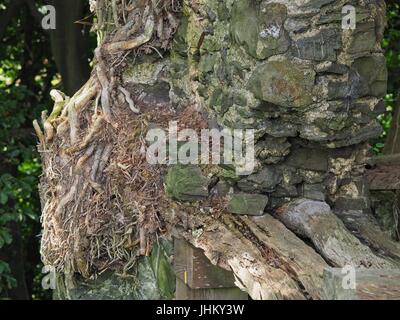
101 200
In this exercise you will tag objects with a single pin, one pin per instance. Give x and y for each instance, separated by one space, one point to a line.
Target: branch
114 47
389 159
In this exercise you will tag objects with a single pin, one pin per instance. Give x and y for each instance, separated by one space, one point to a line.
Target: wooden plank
384 177
184 292
195 270
388 159
369 284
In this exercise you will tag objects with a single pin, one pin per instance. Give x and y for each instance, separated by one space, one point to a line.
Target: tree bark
70 43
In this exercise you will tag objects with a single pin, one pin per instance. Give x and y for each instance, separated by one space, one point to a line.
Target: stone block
186 183
264 181
259 29
319 46
283 82
308 159
248 204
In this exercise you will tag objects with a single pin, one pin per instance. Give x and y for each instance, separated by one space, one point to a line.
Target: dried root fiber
101 200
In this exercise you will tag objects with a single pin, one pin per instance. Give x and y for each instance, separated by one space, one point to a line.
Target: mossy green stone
248 204
186 183
259 29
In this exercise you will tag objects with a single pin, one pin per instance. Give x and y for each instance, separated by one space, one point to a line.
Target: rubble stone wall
311 90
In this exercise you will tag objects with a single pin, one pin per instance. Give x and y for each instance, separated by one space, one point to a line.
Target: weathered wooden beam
384 177
369 284
389 159
184 292
315 221
196 271
268 260
199 279
364 226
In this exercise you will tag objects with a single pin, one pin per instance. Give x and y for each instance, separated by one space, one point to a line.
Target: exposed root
129 99
104 159
82 160
105 85
115 47
101 198
96 163
39 133
95 130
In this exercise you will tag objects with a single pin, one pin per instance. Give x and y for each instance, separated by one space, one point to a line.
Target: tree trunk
310 90
392 145
14 254
70 43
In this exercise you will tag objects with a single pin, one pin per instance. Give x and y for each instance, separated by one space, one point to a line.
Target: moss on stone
248 204
186 183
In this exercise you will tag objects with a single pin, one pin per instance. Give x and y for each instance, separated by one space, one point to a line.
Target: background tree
27 73
391 121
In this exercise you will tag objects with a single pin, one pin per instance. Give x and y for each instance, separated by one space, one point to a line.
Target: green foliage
391 45
6 280
26 73
19 201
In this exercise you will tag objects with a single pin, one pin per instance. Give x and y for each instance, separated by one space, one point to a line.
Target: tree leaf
3 198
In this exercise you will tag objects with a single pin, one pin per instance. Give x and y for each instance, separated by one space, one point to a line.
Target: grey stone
312 4
155 95
336 15
283 82
259 29
337 89
222 188
353 195
311 176
279 128
320 46
290 175
283 191
364 39
331 67
314 191
208 62
248 204
378 109
373 75
221 99
154 280
356 134
264 181
274 39
297 24
272 150
308 159
277 202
